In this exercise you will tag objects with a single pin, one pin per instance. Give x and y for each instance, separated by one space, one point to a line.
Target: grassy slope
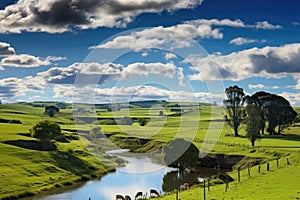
22 168
30 171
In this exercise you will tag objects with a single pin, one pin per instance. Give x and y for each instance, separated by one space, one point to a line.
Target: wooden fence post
208 183
277 163
268 166
248 171
258 168
226 180
239 174
287 161
204 190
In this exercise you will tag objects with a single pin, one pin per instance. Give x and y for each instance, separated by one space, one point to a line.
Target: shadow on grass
71 163
279 147
286 137
291 137
30 144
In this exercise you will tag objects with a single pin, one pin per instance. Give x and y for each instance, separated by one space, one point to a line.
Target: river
141 173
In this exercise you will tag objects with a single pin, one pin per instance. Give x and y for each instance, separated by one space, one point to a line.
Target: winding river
141 173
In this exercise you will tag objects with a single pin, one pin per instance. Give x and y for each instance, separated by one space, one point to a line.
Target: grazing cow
138 195
127 197
185 186
153 192
119 197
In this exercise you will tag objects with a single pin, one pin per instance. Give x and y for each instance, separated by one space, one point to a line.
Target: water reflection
137 175
173 179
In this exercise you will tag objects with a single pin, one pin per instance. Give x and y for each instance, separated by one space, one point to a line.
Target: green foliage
96 132
126 121
180 153
107 122
51 110
12 121
142 121
233 106
277 110
253 122
45 131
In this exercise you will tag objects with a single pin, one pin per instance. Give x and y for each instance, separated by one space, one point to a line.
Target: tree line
258 111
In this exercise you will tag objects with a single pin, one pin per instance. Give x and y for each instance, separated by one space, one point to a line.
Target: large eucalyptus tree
233 105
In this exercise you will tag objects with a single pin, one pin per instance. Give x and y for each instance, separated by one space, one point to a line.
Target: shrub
126 121
45 131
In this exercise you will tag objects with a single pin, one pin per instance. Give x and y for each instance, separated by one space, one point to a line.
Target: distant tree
95 133
61 105
126 121
142 121
258 100
280 117
233 105
51 110
273 108
253 122
45 131
180 153
161 113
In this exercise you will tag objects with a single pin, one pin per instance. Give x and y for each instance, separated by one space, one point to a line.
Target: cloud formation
6 49
160 37
256 86
96 73
169 56
241 41
269 62
266 25
16 87
56 16
26 60
134 93
180 35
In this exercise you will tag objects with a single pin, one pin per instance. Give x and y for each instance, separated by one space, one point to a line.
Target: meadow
25 172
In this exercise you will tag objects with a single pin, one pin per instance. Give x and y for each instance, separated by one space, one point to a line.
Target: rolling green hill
25 171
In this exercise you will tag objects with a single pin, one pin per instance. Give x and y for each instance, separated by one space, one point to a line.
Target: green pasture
25 172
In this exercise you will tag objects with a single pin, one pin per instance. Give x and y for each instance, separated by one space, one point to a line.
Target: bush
142 121
45 131
181 153
107 122
126 121
13 121
96 133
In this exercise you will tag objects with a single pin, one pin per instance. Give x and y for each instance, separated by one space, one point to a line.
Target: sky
98 51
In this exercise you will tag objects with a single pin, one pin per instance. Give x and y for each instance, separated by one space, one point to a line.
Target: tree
45 131
95 133
161 113
233 105
253 122
142 121
126 121
276 109
51 110
258 100
180 153
280 116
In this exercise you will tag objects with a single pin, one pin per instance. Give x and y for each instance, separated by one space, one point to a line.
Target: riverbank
27 172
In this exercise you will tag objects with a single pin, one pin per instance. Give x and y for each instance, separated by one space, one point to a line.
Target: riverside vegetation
26 170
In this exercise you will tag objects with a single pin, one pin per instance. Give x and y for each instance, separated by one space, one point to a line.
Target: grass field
25 172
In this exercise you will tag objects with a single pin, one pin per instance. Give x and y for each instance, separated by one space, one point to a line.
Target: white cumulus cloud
256 86
56 16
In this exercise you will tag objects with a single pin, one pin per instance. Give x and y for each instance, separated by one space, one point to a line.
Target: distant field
25 172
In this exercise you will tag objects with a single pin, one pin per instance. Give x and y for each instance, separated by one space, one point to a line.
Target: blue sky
123 50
